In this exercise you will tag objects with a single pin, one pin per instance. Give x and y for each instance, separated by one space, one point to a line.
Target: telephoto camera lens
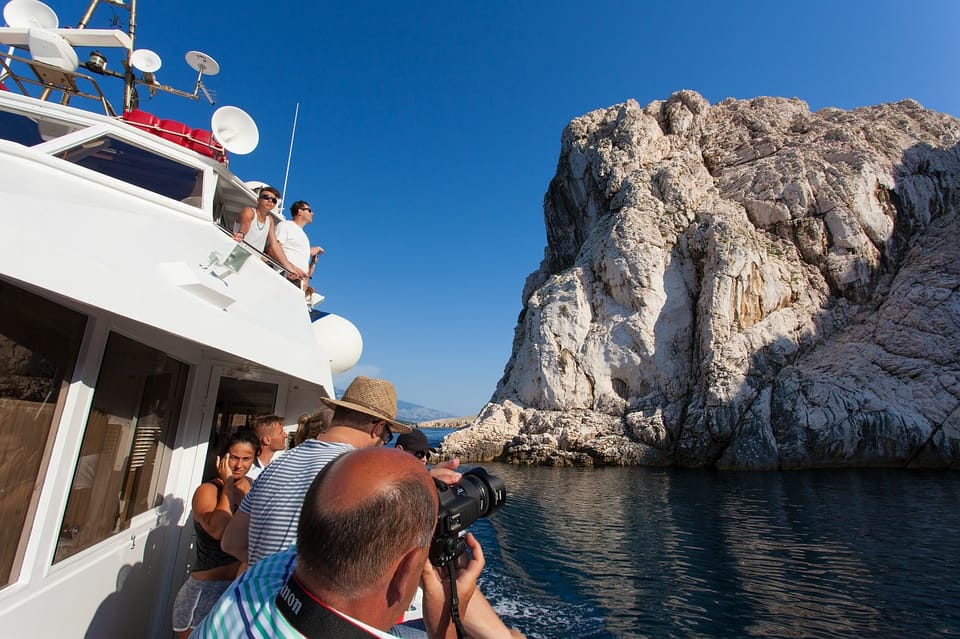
476 495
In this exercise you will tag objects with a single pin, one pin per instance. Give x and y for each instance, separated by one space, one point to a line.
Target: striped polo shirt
276 498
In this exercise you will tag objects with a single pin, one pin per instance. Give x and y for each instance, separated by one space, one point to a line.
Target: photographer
415 442
365 416
363 544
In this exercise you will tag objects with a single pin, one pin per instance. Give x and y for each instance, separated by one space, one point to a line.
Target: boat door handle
133 542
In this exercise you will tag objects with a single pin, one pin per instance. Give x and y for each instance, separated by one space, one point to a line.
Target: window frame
28 536
172 435
89 130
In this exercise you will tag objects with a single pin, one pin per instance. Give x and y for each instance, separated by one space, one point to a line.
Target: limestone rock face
740 285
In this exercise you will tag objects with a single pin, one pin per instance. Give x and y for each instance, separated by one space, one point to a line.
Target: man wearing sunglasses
292 247
415 442
255 225
364 417
356 568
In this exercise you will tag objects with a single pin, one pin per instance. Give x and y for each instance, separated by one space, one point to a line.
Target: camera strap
455 601
313 618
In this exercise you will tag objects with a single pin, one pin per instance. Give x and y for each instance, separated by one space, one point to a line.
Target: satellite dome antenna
30 14
146 62
203 65
235 130
50 48
27 14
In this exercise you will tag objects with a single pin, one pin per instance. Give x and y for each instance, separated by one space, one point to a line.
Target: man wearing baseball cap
357 565
365 416
415 442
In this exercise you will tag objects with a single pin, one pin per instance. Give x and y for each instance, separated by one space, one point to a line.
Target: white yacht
135 332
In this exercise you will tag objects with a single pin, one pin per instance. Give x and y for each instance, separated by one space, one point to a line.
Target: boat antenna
289 155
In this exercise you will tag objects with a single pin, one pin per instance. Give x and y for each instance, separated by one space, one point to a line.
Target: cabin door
239 402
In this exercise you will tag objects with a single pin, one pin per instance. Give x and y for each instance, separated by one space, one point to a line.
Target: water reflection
630 552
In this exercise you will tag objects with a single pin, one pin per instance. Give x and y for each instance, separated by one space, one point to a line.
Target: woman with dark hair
214 503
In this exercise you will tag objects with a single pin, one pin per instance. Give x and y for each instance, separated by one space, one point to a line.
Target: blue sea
638 552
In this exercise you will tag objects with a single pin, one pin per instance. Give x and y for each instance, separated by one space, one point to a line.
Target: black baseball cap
415 441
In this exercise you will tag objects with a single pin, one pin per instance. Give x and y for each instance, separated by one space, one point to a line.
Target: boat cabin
136 333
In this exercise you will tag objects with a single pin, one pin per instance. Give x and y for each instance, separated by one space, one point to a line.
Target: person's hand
296 274
446 471
437 594
316 251
238 237
223 469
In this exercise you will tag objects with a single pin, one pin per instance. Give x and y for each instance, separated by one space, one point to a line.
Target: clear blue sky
429 131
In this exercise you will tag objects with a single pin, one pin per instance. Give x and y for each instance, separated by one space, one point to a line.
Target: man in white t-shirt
273 441
292 248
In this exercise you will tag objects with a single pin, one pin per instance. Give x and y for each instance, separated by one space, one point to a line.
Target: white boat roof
18 37
152 270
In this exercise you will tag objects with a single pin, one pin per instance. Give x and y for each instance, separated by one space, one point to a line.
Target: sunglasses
419 454
386 434
305 208
268 198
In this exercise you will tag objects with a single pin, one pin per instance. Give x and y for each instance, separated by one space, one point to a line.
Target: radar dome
340 339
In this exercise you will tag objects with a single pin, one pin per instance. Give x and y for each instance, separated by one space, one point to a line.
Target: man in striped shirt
267 520
364 542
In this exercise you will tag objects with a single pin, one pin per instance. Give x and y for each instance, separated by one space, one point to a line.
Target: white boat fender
339 338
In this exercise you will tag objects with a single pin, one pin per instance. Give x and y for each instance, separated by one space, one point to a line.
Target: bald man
364 539
364 417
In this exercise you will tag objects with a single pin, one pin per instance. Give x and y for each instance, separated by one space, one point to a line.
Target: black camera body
476 495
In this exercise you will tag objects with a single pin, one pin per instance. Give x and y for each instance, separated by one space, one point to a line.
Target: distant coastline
450 422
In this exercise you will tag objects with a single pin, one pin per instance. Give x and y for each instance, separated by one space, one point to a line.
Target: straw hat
371 396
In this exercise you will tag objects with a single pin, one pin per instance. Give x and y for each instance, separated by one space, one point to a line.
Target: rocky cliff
740 285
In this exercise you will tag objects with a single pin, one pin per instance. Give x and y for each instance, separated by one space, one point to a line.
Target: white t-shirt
295 244
256 468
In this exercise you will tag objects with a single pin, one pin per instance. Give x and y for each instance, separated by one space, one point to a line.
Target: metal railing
51 79
254 252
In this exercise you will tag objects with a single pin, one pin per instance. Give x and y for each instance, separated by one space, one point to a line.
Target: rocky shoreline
450 422
745 285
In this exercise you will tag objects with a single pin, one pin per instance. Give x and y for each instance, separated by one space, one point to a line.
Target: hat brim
395 426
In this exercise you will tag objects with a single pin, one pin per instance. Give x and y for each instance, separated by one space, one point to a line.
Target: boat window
24 130
39 342
143 168
127 443
19 128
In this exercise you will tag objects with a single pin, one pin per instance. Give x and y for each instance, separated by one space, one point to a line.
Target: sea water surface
638 552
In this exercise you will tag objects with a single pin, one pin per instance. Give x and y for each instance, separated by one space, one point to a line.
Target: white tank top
257 234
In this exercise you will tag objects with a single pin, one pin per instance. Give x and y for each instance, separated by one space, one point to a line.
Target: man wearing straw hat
365 416
360 557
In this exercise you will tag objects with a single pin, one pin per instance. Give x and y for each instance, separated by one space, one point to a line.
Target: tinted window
143 168
123 462
19 128
39 342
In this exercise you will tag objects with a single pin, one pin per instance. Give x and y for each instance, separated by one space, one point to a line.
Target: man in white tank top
255 225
